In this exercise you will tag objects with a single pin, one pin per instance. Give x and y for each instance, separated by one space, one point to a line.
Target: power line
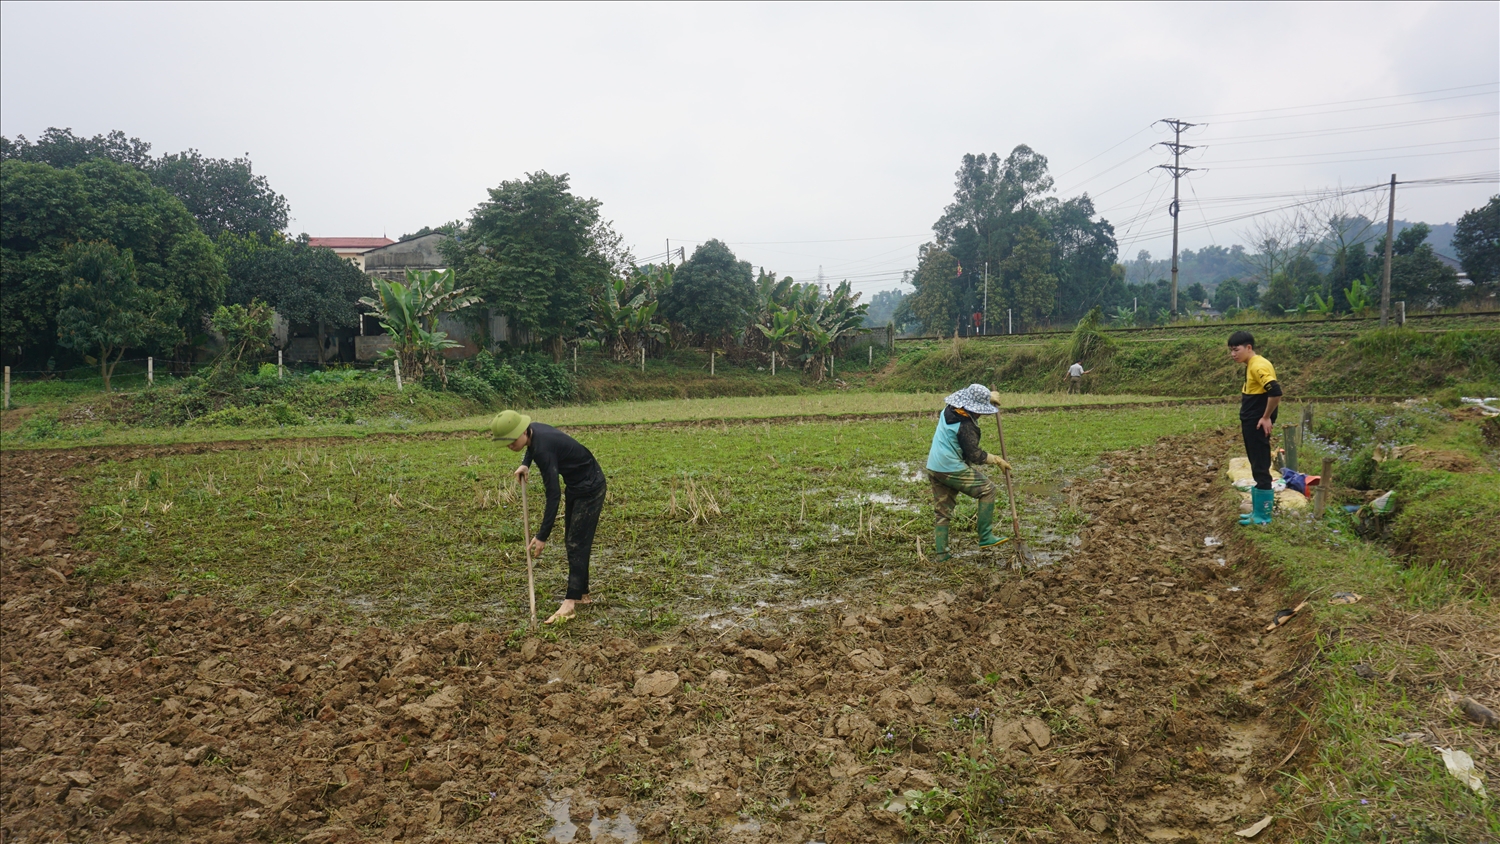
1274 137
1346 102
1356 160
1358 151
1122 143
1345 110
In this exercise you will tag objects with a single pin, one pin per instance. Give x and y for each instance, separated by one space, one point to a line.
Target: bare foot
585 599
564 612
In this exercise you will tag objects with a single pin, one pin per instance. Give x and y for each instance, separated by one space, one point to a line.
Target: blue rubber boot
1261 502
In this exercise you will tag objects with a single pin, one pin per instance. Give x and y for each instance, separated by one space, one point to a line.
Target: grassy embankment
1378 362
1426 626
350 402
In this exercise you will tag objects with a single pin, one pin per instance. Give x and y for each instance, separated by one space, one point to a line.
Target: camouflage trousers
947 485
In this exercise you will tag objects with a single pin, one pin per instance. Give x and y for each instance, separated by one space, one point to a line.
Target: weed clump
1089 344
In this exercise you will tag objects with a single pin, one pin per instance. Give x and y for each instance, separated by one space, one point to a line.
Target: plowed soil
1126 693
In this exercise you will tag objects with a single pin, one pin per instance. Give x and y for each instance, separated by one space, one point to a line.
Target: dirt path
1127 694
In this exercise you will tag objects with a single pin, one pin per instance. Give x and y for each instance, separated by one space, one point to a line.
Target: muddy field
1125 693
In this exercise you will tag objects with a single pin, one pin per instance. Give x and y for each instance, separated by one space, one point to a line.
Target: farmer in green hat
558 455
951 460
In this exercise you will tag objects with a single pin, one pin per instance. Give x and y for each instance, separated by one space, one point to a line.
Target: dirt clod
180 718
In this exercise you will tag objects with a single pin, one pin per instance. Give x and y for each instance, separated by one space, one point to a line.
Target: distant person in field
557 455
1075 378
951 460
1258 400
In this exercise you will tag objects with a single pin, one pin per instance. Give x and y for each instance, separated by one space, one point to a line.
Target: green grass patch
772 407
702 523
1356 786
1374 362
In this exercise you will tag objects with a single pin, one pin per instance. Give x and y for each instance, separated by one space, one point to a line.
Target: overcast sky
803 135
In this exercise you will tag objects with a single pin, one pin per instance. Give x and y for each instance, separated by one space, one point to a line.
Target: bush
471 387
524 379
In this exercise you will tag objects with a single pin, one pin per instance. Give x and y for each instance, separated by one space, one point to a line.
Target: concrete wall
392 262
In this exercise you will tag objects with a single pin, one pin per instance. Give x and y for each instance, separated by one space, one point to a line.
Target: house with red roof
351 249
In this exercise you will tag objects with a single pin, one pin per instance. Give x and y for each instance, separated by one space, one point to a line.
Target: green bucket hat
509 426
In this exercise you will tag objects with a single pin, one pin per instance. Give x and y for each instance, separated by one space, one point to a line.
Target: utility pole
984 320
669 251
1390 240
1176 169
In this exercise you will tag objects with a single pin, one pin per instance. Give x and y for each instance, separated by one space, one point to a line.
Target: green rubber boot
1261 502
987 535
940 542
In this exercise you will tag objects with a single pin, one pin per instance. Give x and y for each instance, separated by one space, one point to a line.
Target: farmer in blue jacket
951 460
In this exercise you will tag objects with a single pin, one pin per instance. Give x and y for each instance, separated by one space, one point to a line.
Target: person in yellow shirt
1258 400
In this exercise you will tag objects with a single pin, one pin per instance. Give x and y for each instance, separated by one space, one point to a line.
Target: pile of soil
1125 693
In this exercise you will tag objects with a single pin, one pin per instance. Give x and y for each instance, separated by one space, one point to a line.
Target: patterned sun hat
974 398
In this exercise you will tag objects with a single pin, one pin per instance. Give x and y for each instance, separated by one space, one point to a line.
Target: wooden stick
1015 520
1320 497
526 540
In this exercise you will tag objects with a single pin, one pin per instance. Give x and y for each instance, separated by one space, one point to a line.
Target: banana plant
625 312
784 329
1321 305
409 313
1360 294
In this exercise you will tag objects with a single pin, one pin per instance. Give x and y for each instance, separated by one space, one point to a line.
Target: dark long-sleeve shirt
968 434
557 454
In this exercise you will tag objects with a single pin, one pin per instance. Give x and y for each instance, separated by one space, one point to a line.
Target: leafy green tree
1233 294
246 331
61 148
452 229
1084 253
883 307
712 293
1477 242
44 209
1027 285
409 313
1349 263
1196 295
935 304
533 253
1418 276
305 285
1281 295
104 310
222 194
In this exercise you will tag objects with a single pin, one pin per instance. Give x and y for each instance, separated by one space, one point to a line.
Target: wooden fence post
643 360
150 371
773 362
711 362
1289 440
280 368
397 364
1320 498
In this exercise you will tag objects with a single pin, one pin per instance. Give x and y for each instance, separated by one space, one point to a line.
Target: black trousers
580 518
1258 449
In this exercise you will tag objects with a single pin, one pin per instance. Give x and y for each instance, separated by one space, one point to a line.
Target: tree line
107 248
1008 252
